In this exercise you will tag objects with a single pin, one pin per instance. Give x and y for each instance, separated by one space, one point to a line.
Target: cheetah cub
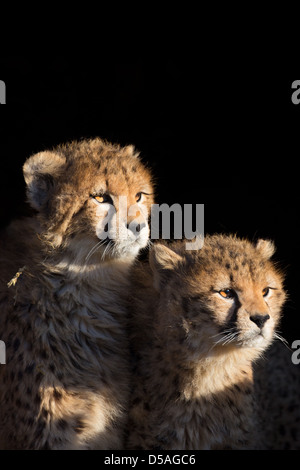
65 381
200 320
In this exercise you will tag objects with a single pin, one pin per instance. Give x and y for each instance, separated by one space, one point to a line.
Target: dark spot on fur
37 399
136 401
29 368
176 381
185 303
60 375
18 403
79 426
39 430
46 446
75 364
146 406
16 344
44 354
38 377
30 421
57 394
62 424
230 403
58 441
197 298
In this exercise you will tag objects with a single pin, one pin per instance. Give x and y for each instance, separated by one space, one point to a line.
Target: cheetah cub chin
65 382
200 319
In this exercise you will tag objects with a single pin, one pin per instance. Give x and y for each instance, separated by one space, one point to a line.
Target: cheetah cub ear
39 172
129 151
266 248
163 260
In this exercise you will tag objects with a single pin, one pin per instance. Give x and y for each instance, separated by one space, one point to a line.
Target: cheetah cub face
227 295
93 199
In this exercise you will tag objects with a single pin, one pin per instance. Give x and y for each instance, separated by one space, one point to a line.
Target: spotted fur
194 350
65 381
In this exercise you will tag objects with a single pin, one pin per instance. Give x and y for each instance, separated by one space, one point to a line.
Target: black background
226 137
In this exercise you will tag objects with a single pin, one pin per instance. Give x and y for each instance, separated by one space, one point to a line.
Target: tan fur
194 350
65 381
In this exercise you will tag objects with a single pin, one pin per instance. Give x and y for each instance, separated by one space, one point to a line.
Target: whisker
227 337
230 338
94 249
222 332
107 249
283 340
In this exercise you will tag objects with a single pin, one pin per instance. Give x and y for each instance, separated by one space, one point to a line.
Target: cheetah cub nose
259 320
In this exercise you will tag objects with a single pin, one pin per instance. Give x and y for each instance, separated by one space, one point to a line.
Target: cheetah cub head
227 295
93 199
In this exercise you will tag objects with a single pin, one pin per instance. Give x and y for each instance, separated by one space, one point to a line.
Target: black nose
135 228
259 319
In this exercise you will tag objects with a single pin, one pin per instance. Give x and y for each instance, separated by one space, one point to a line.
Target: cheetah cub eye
227 293
139 197
103 198
265 291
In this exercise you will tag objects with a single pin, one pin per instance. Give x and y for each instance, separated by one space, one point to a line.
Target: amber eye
227 293
138 197
265 291
102 198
